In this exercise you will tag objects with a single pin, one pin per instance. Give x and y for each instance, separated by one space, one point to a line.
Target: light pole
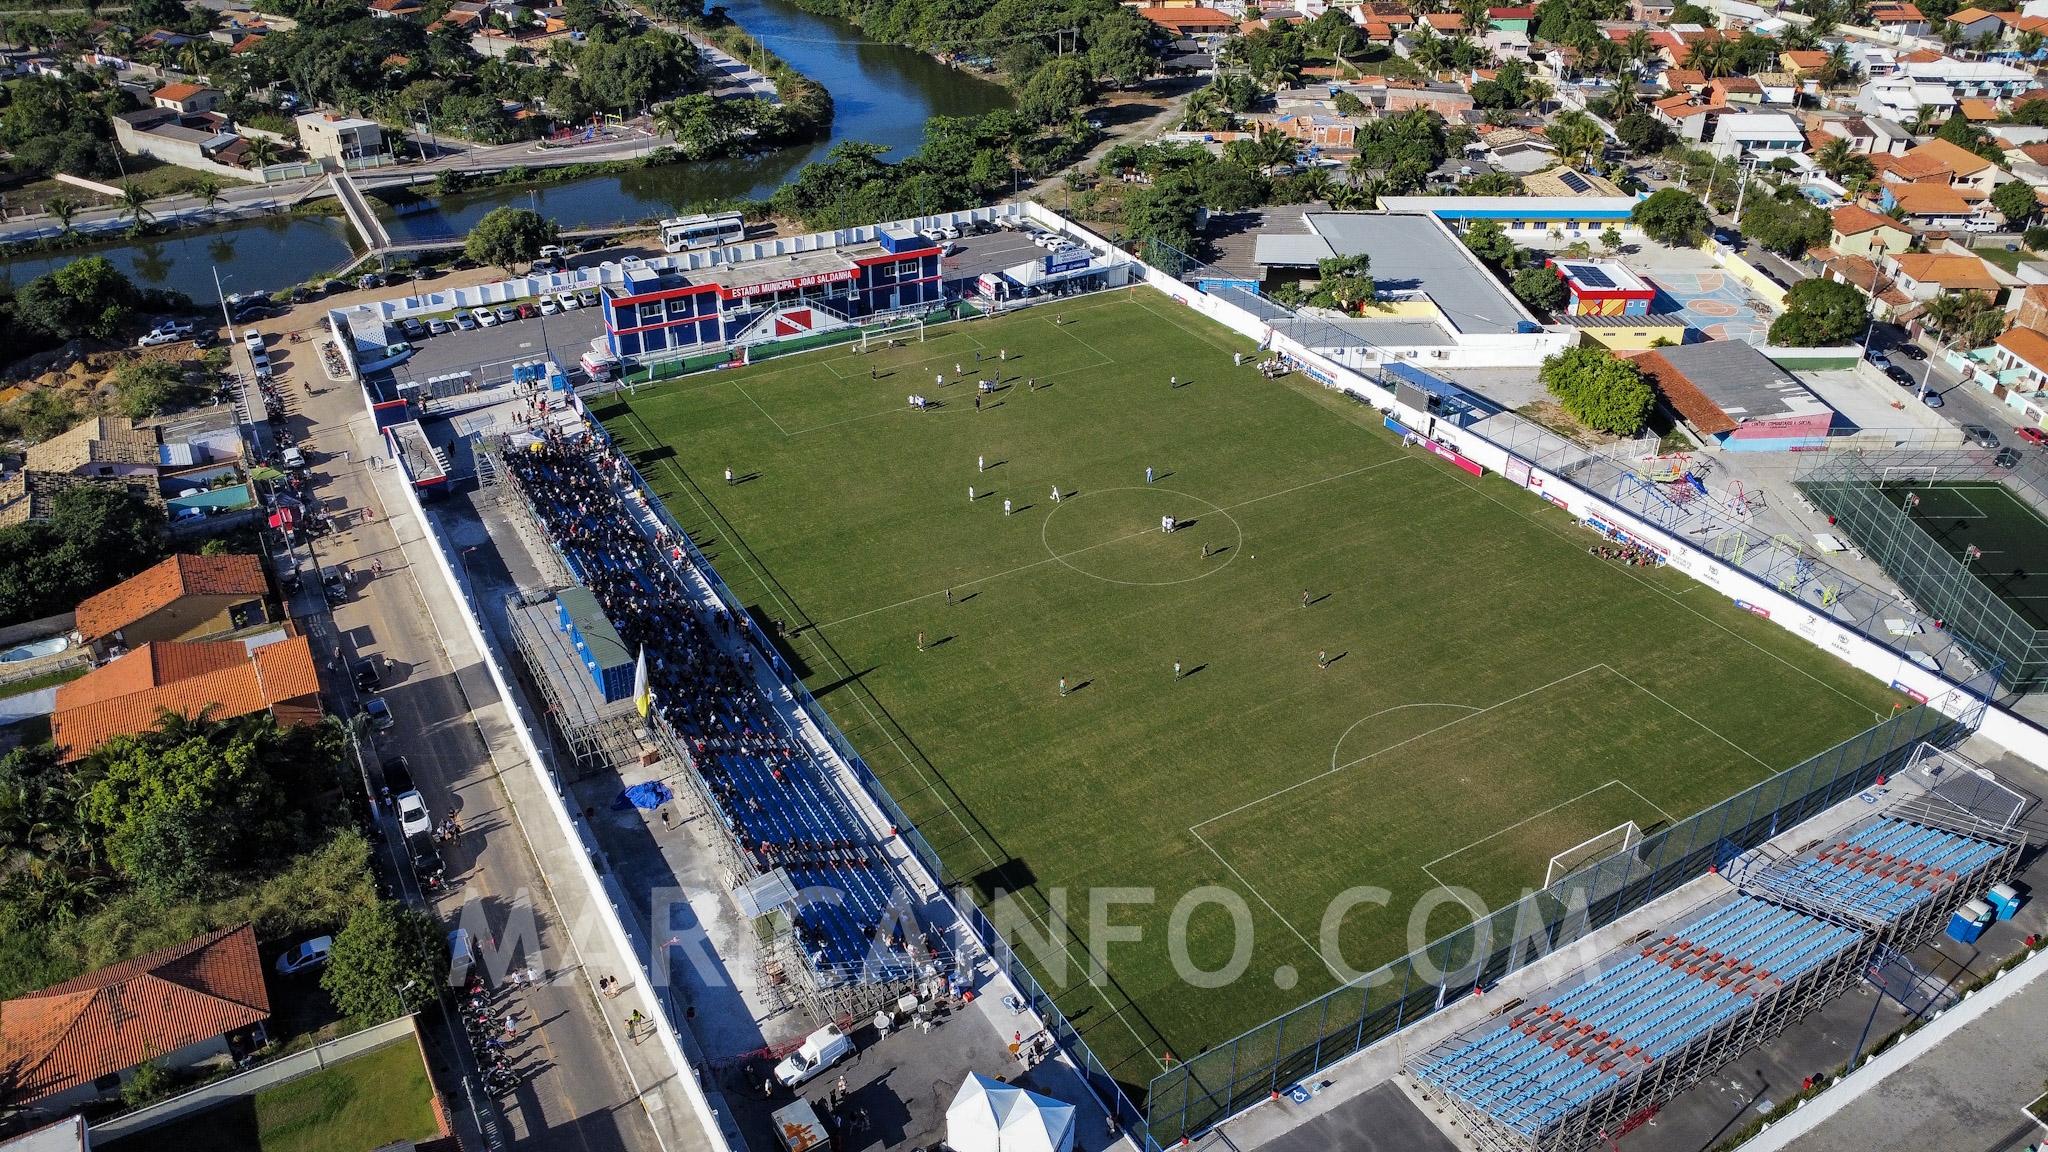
225 318
398 992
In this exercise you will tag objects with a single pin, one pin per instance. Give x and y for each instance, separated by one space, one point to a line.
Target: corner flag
643 696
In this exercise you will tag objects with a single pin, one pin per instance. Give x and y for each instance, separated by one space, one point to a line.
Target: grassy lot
365 1103
2010 261
47 680
1493 694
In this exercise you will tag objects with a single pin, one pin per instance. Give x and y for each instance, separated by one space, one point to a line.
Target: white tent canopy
987 1115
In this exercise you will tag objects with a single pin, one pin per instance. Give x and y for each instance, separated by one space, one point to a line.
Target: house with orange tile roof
1926 275
186 1007
1858 231
1899 19
1976 22
224 679
1735 90
187 99
2023 352
1191 21
1977 111
1802 63
184 598
1930 205
1683 80
1960 167
396 9
1445 23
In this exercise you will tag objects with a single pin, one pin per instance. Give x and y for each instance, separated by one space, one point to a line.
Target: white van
821 1050
599 367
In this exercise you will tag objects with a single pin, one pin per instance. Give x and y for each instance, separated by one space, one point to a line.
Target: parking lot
491 352
993 252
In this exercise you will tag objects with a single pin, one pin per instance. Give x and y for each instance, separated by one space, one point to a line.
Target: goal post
892 332
1615 840
1921 473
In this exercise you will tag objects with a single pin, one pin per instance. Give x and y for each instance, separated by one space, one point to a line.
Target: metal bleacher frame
1794 886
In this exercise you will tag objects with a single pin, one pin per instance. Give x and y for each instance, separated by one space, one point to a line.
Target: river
881 93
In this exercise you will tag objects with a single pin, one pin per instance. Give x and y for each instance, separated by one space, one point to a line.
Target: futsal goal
1915 473
1614 840
892 333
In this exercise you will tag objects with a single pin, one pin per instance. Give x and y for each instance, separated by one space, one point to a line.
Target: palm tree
135 200
1430 51
63 208
262 152
1951 34
2028 43
1837 67
1637 48
1834 157
1927 120
191 59
208 191
672 118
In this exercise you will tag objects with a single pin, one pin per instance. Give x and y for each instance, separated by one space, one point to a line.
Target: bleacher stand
1598 1052
771 796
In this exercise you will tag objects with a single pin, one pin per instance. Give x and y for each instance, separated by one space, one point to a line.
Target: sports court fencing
1847 486
1232 1076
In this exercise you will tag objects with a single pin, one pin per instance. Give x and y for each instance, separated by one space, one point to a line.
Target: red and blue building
658 312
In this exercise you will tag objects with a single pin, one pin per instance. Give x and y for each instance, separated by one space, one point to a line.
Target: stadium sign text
810 281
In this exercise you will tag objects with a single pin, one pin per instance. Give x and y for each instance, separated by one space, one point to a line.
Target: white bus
680 232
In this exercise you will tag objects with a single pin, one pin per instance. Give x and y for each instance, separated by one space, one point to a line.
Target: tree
135 201
1489 241
1966 318
94 538
1787 224
208 191
1821 314
1575 134
87 297
1164 212
1346 282
1057 90
510 236
1673 217
1958 130
388 961
1643 133
1540 287
62 209
1610 240
2036 238
2015 201
1598 389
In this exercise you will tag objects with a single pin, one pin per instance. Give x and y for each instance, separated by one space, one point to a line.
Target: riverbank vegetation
1018 39
964 161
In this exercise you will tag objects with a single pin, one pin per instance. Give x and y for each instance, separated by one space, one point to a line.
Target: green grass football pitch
1494 694
2011 540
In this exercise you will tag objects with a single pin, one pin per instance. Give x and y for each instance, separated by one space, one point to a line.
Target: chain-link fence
1230 1077
1849 487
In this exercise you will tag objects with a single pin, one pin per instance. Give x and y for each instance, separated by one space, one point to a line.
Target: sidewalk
657 1071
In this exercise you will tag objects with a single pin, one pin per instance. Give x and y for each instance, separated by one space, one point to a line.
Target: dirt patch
1552 415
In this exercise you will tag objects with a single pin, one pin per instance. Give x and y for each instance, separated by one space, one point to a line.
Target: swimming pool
50 647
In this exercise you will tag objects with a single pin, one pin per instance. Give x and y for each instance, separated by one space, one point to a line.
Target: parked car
549 306
438 325
333 286
527 311
1979 435
252 339
370 280
593 244
466 321
569 301
544 268
379 713
820 1050
205 338
2032 436
461 956
2007 458
305 956
161 335
490 318
397 776
426 860
1879 359
1909 351
1901 377
551 252
365 672
589 297
335 585
412 328
1932 399
413 817
507 313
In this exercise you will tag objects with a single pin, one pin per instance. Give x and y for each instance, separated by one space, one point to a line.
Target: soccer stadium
1119 605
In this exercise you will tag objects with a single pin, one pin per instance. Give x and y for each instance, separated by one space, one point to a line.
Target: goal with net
1608 843
1916 473
892 333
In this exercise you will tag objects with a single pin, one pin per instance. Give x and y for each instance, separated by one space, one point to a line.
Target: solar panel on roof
1591 277
1574 181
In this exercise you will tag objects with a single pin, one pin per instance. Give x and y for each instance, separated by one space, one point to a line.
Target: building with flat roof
345 141
605 658
1737 396
1526 217
1605 288
1437 304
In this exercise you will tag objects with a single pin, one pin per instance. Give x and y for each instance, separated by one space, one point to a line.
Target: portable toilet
2005 899
1968 922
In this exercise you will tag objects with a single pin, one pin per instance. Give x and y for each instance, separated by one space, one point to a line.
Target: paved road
575 1094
